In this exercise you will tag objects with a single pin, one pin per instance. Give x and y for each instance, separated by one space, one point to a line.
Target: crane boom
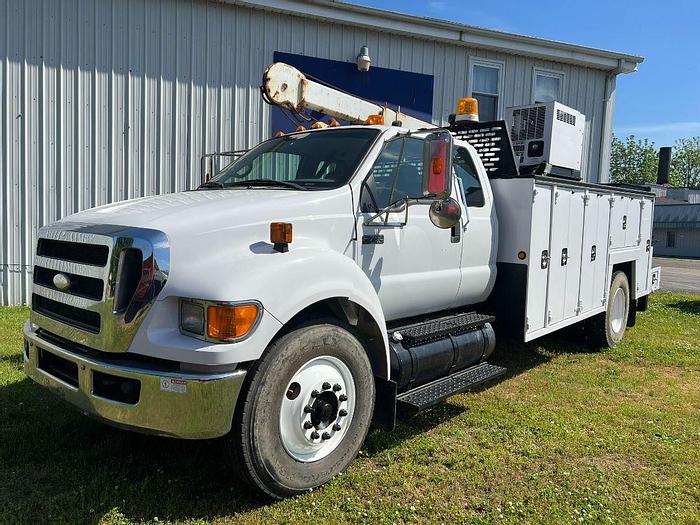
284 85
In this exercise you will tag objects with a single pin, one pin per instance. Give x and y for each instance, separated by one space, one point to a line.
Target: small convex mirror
437 165
445 213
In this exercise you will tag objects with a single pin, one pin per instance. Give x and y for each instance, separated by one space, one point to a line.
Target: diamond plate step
433 393
436 328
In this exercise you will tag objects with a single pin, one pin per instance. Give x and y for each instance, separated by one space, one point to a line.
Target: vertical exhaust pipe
664 165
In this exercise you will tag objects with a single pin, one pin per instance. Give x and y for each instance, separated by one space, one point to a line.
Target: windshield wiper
268 182
211 184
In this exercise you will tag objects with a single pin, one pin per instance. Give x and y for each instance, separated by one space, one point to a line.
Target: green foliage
633 161
685 164
571 435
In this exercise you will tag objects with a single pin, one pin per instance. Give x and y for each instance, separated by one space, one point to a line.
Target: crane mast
285 86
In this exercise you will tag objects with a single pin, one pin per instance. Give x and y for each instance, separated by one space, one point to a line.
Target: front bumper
183 405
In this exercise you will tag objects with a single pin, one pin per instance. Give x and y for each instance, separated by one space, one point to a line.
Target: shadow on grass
58 465
690 306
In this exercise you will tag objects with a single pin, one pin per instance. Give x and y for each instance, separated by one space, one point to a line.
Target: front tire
306 410
608 328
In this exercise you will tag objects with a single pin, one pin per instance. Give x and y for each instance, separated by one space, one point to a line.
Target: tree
633 161
685 163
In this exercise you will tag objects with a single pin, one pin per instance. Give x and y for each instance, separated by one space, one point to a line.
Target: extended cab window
310 160
396 174
466 171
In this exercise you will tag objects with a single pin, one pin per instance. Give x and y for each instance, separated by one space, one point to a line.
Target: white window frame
544 72
496 64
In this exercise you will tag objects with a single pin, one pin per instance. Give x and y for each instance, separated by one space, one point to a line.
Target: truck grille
81 285
93 254
90 286
65 313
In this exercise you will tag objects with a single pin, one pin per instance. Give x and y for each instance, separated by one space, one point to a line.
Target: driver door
413 265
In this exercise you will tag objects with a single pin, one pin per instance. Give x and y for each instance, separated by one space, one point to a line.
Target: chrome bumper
190 406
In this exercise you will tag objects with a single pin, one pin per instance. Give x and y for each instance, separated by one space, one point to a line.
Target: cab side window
466 171
396 174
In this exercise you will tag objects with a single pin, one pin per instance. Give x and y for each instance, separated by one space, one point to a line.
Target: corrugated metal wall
103 100
687 242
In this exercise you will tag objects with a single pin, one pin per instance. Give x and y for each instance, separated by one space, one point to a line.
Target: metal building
103 100
677 230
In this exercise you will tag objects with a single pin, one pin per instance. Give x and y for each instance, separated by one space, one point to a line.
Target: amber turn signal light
281 235
225 322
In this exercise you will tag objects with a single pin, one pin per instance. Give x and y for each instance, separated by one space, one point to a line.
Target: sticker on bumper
168 384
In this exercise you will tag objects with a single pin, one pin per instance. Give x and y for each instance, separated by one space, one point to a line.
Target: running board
437 391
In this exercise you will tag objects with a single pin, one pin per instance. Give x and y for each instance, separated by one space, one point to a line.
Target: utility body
325 279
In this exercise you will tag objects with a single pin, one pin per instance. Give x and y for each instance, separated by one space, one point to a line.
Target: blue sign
413 92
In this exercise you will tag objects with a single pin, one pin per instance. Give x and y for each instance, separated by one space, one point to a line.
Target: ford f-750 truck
326 279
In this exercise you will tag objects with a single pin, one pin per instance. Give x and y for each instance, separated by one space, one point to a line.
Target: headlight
192 317
219 322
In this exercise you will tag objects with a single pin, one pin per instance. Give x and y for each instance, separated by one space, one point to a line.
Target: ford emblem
61 281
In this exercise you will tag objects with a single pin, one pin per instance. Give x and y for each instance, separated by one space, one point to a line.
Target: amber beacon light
467 109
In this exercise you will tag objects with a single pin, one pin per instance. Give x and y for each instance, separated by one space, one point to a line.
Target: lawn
569 436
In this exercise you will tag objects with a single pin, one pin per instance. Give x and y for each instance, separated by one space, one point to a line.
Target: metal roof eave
450 32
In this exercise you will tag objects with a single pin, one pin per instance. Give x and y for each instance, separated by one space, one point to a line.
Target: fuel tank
419 360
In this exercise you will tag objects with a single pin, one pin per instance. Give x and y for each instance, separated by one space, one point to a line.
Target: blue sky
659 102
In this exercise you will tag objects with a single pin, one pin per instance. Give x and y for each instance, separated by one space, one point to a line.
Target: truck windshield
315 160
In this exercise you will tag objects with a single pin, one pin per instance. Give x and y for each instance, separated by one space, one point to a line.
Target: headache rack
491 140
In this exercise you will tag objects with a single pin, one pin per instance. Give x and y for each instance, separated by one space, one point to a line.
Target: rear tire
284 448
608 328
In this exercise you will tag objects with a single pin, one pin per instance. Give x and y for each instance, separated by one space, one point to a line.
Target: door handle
373 239
456 233
564 256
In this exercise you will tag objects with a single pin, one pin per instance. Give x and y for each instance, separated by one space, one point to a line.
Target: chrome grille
79 269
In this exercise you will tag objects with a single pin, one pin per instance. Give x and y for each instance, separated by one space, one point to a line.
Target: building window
487 86
547 85
670 239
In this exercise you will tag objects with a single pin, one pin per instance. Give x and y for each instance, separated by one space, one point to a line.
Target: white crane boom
286 86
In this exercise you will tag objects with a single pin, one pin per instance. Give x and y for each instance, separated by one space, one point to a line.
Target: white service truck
326 279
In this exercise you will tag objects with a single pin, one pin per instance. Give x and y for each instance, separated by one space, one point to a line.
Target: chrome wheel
317 408
617 313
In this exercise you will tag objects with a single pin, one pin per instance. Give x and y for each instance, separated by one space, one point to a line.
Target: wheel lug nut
336 427
343 397
325 435
307 425
314 435
307 409
336 387
326 385
314 393
342 412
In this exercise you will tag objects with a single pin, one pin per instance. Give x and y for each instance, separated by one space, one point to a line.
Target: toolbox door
565 247
644 261
538 267
631 225
594 253
618 221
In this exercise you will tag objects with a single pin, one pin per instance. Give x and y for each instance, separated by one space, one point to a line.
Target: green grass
570 436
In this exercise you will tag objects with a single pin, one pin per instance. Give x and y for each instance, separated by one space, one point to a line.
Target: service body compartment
565 233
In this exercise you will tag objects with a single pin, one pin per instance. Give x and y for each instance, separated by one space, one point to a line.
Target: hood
205 210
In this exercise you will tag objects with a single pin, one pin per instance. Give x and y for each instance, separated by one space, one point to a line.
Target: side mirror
445 213
437 165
